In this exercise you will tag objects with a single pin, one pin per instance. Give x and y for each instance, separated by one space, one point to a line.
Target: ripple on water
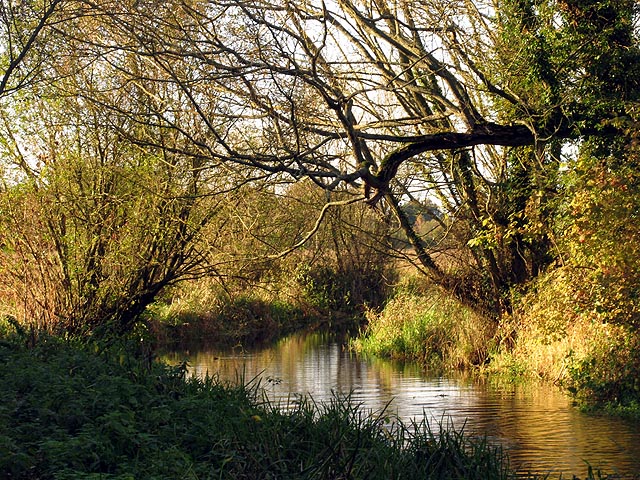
536 424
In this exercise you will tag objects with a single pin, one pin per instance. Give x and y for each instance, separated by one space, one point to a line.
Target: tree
27 35
94 227
467 103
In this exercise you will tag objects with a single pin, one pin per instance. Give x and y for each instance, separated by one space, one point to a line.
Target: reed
429 327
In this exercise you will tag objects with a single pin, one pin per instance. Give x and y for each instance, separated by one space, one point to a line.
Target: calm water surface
537 424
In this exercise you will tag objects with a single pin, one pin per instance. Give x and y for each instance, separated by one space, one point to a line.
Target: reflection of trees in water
536 423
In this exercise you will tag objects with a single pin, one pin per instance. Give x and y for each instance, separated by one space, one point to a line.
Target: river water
536 424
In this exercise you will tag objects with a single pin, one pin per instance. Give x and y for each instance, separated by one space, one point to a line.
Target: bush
556 335
578 324
599 232
608 375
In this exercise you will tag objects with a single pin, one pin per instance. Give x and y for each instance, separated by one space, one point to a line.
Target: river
536 424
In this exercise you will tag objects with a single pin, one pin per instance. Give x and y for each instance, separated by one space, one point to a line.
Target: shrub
556 335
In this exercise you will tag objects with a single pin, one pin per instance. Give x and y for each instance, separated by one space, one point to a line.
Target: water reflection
536 424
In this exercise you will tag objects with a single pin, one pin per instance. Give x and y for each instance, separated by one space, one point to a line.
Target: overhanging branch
487 134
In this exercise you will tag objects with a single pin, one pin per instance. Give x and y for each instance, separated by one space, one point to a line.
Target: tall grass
75 412
428 327
555 334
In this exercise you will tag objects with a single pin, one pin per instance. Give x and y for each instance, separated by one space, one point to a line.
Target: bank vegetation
86 411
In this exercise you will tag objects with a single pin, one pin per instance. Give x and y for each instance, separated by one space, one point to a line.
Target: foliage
571 65
601 228
607 376
345 292
93 228
348 265
391 118
429 327
577 324
557 335
260 293
223 92
72 413
577 59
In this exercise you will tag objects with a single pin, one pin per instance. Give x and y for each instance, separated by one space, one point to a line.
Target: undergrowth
556 335
74 411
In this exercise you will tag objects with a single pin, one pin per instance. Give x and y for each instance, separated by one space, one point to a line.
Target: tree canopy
477 107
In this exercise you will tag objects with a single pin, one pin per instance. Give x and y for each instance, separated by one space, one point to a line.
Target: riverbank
429 328
244 320
551 333
80 411
543 339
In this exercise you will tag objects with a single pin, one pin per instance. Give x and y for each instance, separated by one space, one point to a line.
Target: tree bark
487 134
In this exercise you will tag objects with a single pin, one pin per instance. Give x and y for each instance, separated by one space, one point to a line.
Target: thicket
578 323
268 289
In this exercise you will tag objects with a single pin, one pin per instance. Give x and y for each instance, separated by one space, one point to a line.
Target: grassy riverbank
74 411
430 328
546 336
244 320
201 313
543 339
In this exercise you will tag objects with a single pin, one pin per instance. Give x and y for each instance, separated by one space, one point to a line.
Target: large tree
468 104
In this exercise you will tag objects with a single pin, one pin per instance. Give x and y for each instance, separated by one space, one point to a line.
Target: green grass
432 329
72 411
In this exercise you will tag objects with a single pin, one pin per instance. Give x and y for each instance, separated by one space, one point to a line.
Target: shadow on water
535 423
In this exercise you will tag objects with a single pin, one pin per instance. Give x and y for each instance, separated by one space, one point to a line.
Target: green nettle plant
71 413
